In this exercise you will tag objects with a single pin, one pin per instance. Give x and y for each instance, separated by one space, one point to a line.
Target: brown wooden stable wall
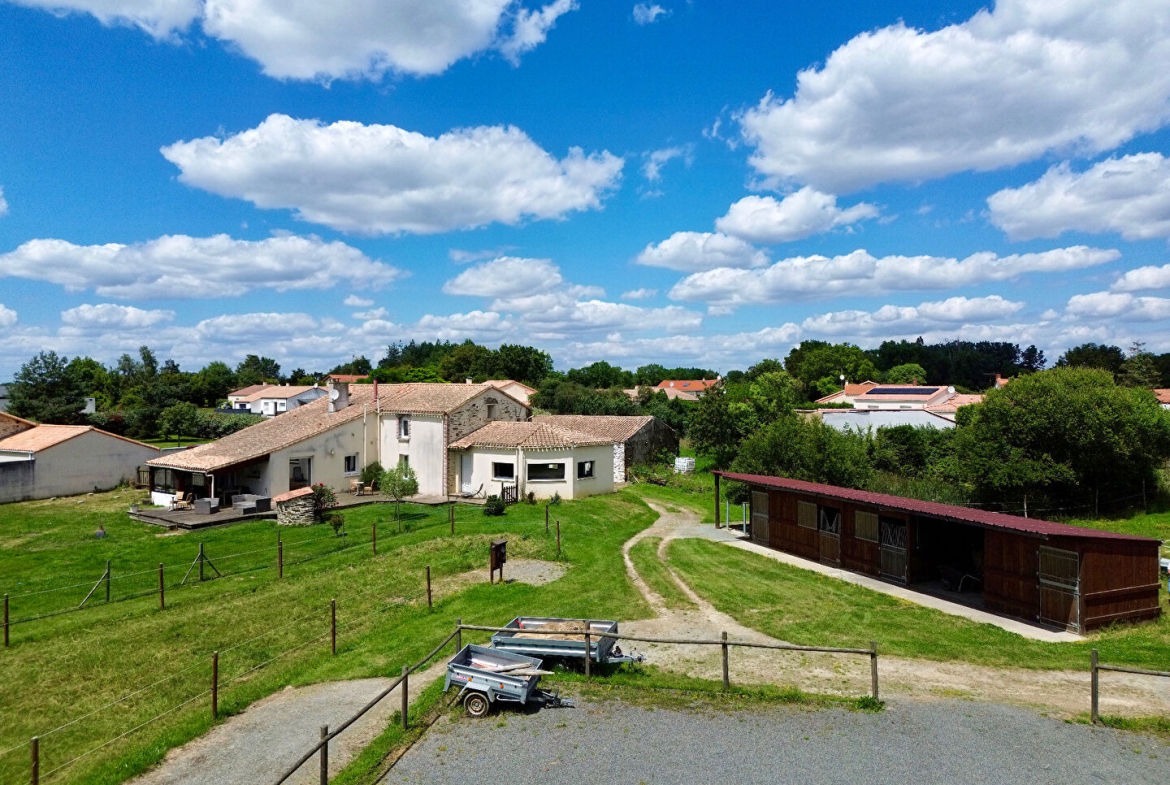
1119 579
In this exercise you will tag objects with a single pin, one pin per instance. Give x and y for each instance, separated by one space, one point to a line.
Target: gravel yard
925 743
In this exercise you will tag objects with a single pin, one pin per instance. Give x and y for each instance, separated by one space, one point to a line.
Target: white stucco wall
425 449
569 488
90 461
842 419
328 451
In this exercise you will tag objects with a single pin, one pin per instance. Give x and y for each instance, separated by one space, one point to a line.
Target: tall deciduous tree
44 390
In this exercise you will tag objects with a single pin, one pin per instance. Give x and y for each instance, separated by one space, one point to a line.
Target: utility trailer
486 676
566 645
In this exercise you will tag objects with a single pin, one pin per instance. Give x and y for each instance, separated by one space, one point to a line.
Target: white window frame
403 429
564 471
500 478
355 471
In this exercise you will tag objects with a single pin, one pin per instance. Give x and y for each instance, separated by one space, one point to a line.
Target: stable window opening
504 471
584 470
546 472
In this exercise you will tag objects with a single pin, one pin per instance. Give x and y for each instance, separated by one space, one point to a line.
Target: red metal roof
997 520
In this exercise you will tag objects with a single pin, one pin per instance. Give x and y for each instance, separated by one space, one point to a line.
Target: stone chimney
338 395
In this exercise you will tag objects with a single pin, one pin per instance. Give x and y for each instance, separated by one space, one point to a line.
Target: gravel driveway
924 743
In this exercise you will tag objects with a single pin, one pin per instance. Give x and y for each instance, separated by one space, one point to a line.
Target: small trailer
486 676
567 644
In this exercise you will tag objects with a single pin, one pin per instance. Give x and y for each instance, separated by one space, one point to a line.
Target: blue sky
677 182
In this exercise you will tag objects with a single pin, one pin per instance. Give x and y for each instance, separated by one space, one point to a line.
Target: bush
337 521
324 498
216 425
530 497
806 450
910 451
372 476
556 498
494 506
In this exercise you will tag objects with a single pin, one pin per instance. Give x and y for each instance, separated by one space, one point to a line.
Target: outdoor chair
469 494
181 502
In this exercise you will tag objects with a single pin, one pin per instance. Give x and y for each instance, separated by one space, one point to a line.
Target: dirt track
1061 693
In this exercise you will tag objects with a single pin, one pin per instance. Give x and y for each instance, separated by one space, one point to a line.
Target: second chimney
338 395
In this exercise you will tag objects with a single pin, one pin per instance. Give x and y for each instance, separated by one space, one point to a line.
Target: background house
635 439
887 406
236 397
521 392
277 399
536 457
695 387
42 461
849 393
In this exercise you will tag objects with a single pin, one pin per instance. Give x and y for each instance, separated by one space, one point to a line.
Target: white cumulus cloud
531 28
1143 278
694 251
640 294
353 301
893 320
3 203
1128 195
1008 85
159 18
370 315
381 179
1108 305
7 316
859 273
656 159
183 268
505 276
763 219
648 13
107 316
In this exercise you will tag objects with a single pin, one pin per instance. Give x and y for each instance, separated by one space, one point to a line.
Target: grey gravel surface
921 743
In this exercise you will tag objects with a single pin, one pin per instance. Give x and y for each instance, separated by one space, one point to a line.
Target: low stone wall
295 512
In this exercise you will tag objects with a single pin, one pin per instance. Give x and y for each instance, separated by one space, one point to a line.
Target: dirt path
1063 693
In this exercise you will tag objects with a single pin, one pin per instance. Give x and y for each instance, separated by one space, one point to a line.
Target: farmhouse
330 440
1048 573
635 439
519 391
695 387
42 461
534 457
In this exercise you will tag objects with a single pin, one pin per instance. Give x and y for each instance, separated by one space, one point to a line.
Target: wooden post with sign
496 558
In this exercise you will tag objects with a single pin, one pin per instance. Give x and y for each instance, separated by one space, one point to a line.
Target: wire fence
200 678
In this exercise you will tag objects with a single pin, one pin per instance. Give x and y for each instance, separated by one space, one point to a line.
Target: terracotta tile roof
854 389
688 385
505 382
671 393
886 392
290 495
529 436
1162 395
252 388
949 512
953 403
280 392
31 424
611 427
430 397
42 437
258 440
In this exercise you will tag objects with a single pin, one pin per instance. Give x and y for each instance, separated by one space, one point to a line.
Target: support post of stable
429 603
35 751
1095 690
458 635
333 625
107 580
214 685
716 501
162 592
588 655
405 698
280 558
873 673
726 674
324 755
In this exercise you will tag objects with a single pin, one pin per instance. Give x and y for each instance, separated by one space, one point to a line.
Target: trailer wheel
477 704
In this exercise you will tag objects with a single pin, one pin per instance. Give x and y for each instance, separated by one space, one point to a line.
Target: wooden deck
190 519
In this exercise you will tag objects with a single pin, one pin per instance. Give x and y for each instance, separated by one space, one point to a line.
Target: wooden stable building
1048 573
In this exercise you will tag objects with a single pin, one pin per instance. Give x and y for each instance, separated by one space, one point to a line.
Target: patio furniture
207 506
181 502
250 502
470 494
355 487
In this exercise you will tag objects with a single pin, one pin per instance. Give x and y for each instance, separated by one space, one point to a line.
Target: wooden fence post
162 596
333 625
873 673
107 580
325 755
5 619
280 558
558 538
374 537
214 685
36 760
405 698
429 603
1094 698
726 675
588 654
458 635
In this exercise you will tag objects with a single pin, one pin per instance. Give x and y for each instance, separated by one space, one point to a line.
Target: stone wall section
472 416
295 512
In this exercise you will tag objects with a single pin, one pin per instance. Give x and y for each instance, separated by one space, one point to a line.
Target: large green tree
1093 355
819 366
718 424
257 370
803 449
46 391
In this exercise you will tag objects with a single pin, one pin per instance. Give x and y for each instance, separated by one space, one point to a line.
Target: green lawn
808 608
644 555
63 667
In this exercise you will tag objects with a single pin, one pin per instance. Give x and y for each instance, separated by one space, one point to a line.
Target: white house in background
902 396
236 397
849 393
939 415
1163 398
330 440
42 461
521 392
537 457
635 438
277 399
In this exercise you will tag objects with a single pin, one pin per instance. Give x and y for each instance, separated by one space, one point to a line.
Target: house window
584 470
300 473
403 427
404 461
503 471
351 464
865 525
491 411
546 472
806 515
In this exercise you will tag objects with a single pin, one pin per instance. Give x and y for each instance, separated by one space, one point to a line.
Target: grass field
644 555
804 607
74 666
